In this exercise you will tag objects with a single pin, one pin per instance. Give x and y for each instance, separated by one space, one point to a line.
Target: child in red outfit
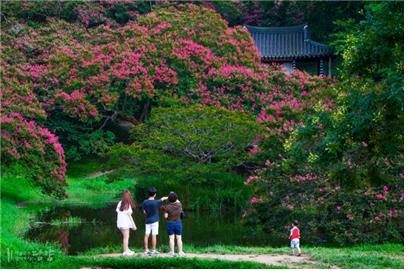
294 239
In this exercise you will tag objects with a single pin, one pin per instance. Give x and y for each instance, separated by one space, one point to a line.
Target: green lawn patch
96 192
151 263
361 256
84 168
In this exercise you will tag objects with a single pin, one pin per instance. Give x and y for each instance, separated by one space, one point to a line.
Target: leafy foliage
87 13
357 143
86 79
324 144
192 181
23 140
288 13
373 47
339 169
190 150
328 212
201 133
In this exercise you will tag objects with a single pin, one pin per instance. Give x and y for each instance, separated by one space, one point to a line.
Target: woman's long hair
127 201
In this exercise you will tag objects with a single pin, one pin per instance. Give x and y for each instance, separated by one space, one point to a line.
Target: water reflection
97 228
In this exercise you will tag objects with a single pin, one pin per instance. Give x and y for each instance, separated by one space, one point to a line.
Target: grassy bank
20 201
149 263
17 252
15 221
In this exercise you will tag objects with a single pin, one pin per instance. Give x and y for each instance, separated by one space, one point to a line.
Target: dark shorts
174 227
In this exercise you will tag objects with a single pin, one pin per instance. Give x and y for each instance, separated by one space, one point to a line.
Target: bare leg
171 242
179 243
154 241
146 242
125 234
299 251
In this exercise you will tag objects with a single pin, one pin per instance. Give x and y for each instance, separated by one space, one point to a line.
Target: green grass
84 168
361 256
152 263
15 221
16 187
96 192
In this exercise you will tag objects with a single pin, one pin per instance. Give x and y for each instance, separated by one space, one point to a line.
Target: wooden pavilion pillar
321 67
330 66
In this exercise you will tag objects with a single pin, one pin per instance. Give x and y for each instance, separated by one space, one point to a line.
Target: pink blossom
93 113
251 179
254 150
379 196
51 140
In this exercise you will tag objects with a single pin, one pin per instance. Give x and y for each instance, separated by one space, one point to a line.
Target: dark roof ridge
286 42
317 43
294 28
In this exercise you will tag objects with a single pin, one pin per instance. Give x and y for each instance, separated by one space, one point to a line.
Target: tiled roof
285 43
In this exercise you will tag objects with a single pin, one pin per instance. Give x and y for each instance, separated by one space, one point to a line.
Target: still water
91 228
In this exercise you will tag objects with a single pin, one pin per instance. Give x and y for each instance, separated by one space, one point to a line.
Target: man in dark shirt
151 210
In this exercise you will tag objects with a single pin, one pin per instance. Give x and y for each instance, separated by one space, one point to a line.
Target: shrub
338 169
88 13
358 142
328 213
23 140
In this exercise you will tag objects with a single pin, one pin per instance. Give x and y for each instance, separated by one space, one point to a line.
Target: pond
88 228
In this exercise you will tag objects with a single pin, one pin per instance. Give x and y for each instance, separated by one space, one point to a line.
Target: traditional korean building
292 47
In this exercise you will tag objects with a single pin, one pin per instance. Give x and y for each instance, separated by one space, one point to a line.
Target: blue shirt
151 207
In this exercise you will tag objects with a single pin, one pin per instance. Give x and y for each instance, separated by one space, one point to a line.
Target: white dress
124 221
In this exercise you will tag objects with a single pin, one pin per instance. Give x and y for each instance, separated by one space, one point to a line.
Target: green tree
202 134
373 47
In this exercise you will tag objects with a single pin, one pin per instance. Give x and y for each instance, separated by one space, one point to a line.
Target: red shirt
294 233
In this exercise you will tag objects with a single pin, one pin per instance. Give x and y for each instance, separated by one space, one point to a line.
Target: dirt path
280 260
98 174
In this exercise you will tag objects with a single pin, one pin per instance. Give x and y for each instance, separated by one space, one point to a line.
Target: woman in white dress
125 221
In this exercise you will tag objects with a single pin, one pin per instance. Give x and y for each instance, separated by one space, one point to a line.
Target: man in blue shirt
151 210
